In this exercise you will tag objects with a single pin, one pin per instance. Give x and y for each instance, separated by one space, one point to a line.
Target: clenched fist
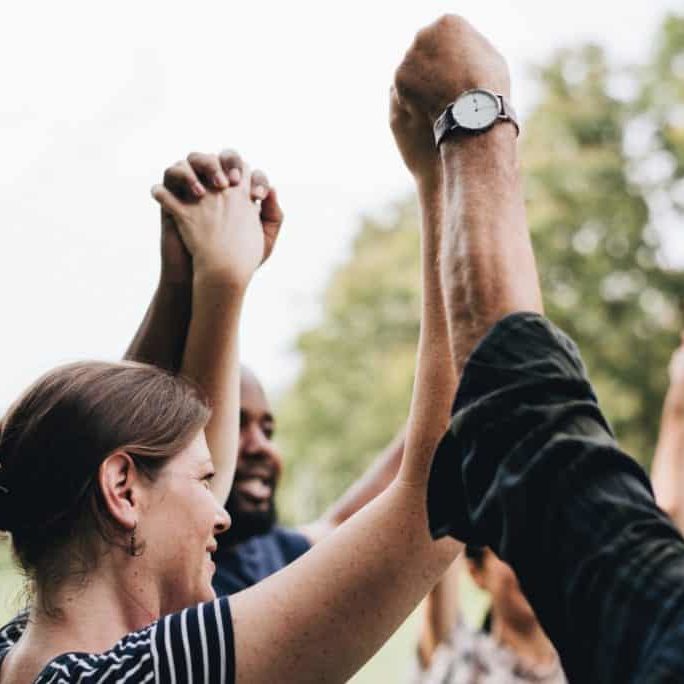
445 59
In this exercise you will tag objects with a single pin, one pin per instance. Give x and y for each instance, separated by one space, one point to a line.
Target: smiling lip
255 488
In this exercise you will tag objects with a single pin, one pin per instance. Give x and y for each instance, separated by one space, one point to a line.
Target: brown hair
52 442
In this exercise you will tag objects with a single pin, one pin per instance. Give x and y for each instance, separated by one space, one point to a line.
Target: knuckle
212 161
231 158
196 158
180 169
259 178
450 21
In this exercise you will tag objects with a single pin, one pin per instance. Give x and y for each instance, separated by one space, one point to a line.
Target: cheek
278 461
186 516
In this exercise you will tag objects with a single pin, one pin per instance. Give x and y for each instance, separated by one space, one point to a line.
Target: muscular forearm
161 337
211 359
488 267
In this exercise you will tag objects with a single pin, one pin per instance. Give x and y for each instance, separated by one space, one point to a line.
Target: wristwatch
474 111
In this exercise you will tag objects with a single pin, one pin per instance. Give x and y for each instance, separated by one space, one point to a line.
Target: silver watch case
451 121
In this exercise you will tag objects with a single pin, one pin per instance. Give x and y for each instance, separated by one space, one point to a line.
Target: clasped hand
220 220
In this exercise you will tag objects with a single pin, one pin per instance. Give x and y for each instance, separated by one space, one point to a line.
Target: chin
247 522
205 594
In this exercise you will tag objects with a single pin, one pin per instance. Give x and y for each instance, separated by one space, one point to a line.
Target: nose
223 521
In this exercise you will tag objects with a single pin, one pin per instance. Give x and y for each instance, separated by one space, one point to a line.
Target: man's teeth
256 487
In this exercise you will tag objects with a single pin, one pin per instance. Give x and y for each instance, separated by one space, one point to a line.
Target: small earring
133 546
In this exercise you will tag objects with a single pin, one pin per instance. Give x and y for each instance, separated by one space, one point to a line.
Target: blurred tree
604 160
599 250
353 392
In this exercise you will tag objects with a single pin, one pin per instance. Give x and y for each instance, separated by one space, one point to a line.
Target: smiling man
255 546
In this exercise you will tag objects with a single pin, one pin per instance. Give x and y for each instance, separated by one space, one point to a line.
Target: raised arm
323 616
227 236
531 458
488 267
667 472
160 339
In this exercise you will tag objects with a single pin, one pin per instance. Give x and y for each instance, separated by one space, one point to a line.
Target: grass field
390 664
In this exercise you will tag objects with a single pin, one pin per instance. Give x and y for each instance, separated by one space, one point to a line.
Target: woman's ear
119 481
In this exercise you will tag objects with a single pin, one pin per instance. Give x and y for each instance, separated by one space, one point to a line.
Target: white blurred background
97 98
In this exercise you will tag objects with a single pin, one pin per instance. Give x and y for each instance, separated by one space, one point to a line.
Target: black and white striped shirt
195 645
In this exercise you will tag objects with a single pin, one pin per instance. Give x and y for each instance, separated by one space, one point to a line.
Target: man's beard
247 524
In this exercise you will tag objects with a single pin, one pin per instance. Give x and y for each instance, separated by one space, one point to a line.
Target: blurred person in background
255 546
510 647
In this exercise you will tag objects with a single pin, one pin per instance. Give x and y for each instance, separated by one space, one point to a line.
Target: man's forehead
252 396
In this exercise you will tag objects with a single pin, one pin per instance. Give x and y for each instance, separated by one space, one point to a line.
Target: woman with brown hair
113 476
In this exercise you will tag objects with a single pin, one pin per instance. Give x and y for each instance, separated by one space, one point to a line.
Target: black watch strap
444 124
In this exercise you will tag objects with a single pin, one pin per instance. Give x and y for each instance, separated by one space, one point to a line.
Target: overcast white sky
97 98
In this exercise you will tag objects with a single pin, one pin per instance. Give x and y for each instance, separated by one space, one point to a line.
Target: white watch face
476 109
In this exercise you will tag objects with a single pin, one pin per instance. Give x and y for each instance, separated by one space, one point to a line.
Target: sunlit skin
180 527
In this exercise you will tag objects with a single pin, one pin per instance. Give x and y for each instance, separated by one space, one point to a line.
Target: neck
90 617
528 641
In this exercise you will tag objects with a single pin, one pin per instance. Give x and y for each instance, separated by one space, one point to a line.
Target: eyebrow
267 416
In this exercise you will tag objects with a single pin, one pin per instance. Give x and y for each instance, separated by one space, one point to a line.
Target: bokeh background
98 99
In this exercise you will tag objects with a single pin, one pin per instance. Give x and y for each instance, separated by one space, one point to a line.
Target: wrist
500 139
215 276
429 182
487 158
175 278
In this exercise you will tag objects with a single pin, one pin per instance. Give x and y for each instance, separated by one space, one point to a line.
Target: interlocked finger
232 165
208 169
259 185
181 180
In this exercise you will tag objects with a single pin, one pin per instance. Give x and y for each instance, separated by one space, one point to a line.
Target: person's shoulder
10 632
291 541
130 659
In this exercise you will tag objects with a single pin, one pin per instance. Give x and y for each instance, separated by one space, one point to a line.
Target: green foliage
598 253
595 209
354 389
